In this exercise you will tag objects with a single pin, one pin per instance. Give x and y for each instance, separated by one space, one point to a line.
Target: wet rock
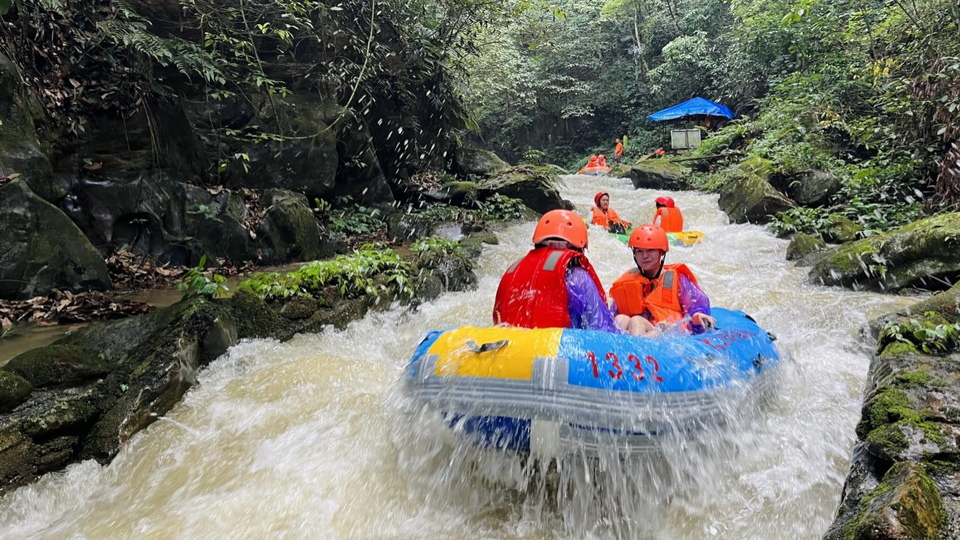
52 412
360 175
810 188
289 231
41 249
456 193
842 229
924 254
20 151
532 185
254 317
404 227
655 174
298 308
14 390
906 505
18 458
59 365
56 453
471 161
750 198
305 162
802 245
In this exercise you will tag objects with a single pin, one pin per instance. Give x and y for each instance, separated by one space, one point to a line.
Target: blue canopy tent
692 107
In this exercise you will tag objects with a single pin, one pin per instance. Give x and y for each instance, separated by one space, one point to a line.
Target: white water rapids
308 439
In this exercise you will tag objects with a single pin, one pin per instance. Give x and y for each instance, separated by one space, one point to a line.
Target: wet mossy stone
14 390
906 505
297 308
812 188
254 317
60 365
42 250
18 457
655 174
922 255
289 231
842 229
750 198
457 193
470 161
803 244
532 185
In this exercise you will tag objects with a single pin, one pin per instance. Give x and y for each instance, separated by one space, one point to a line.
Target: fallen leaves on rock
131 271
254 214
66 307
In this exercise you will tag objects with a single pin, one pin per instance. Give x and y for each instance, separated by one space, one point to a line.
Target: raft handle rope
486 347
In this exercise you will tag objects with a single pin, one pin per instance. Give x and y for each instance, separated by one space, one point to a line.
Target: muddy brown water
310 438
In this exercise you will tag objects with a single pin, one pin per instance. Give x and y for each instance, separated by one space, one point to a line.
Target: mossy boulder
924 255
802 245
60 365
750 198
254 317
289 231
471 161
456 193
810 188
655 174
532 185
20 151
42 250
842 229
14 390
906 505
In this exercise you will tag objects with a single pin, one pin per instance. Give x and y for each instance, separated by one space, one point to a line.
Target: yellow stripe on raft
687 237
512 361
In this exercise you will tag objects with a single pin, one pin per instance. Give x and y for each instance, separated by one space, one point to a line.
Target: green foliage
349 218
533 157
196 283
501 208
367 271
814 221
932 334
433 251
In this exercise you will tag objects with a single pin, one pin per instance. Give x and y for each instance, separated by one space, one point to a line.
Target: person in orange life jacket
655 294
554 285
618 151
668 216
592 162
605 216
601 160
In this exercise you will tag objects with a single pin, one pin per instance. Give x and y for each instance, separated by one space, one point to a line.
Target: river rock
20 151
59 365
456 193
532 185
14 390
802 245
41 249
750 198
289 231
811 188
655 174
842 229
472 161
924 254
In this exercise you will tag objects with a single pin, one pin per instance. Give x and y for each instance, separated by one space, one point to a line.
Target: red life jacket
637 295
533 291
671 219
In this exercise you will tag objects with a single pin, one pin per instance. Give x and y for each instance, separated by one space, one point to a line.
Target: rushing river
310 438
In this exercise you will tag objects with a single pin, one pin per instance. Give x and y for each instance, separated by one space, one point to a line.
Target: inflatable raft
595 170
554 390
684 238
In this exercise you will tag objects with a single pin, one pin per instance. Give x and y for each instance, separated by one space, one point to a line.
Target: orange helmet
596 198
600 156
666 201
649 236
562 225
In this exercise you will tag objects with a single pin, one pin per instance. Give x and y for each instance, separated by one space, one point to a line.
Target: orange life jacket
605 219
591 163
619 150
602 162
671 219
637 295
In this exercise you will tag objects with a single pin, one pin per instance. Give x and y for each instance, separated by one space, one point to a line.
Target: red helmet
563 225
666 201
649 236
596 198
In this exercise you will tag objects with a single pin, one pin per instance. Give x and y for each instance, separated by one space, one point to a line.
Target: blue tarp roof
691 107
